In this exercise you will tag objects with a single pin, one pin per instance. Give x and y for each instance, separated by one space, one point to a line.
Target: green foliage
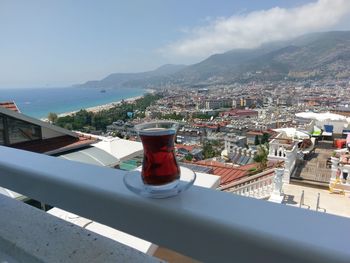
216 143
209 151
261 157
87 121
140 115
189 157
253 171
65 121
68 126
81 119
172 116
265 138
256 140
52 117
202 116
144 102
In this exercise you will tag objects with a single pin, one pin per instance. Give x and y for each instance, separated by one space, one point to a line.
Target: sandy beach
104 106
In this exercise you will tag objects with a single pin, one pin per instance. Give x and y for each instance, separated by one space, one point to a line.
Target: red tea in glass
159 165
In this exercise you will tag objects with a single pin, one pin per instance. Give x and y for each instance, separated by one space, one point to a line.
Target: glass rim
150 128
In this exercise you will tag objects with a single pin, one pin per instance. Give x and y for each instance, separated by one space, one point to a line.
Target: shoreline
102 107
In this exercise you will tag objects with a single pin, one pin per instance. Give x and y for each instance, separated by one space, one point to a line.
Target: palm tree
52 117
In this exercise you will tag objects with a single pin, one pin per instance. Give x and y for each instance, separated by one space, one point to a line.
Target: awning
294 133
325 116
91 155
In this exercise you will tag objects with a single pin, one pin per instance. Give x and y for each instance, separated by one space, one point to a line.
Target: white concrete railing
259 188
289 163
284 152
208 225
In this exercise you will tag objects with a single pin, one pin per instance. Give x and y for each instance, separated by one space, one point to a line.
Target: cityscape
283 142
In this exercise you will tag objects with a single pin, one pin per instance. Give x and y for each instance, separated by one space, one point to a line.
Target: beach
102 107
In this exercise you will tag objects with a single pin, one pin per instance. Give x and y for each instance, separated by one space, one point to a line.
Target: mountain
132 79
221 66
312 56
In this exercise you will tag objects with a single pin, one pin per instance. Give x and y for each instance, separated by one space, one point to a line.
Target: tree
68 126
189 157
265 138
52 117
83 119
209 151
256 141
262 156
172 116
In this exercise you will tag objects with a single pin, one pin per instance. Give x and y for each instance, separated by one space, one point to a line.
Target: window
21 131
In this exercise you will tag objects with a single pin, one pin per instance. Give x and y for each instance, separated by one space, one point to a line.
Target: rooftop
55 145
331 203
228 173
10 105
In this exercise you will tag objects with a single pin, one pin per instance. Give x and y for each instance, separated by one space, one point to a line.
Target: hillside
318 55
139 79
312 56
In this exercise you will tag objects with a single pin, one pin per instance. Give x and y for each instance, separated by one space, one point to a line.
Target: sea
38 102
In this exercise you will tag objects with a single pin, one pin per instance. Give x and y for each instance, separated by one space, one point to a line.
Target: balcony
207 225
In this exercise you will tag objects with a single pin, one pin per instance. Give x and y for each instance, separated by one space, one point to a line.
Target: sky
62 42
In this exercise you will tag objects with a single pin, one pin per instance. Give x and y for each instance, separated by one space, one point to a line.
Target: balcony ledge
31 235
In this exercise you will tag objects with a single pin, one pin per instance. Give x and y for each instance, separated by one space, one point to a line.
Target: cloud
258 27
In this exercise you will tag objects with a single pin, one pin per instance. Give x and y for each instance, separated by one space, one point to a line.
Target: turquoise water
38 102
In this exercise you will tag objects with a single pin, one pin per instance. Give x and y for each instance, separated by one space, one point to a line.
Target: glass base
134 183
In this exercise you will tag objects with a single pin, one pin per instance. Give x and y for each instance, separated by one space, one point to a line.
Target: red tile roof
186 147
10 105
229 175
255 133
58 144
239 112
227 172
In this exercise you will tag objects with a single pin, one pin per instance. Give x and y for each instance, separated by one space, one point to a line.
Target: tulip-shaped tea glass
161 176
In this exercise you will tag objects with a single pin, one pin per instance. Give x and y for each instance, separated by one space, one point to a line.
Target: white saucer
134 183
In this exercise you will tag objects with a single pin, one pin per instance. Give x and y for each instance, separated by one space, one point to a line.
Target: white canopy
120 148
321 116
294 133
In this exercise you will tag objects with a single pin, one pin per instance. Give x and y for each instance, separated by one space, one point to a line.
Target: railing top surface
205 224
30 235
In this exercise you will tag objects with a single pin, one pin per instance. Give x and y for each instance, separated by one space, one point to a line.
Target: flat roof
55 145
120 148
91 155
